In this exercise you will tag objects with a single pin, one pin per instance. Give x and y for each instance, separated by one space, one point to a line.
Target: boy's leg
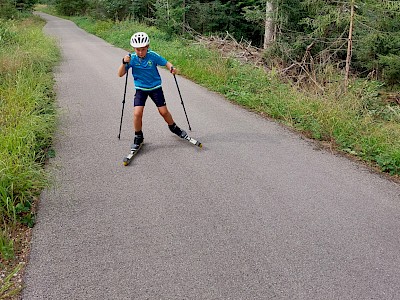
164 112
137 118
137 126
139 102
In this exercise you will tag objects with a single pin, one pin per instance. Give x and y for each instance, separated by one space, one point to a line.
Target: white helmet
140 39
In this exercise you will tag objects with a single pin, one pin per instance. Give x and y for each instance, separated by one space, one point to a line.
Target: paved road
260 213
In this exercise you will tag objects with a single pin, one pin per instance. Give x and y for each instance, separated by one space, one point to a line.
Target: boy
147 81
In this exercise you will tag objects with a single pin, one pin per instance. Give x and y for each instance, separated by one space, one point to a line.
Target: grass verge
27 124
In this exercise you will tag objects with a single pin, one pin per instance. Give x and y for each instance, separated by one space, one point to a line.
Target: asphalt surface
259 213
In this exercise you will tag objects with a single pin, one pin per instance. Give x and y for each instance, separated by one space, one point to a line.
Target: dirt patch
22 237
12 271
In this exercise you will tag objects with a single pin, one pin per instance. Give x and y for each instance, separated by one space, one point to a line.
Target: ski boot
135 147
183 134
137 142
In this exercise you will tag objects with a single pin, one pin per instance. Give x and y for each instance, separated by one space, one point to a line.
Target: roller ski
190 140
135 147
183 134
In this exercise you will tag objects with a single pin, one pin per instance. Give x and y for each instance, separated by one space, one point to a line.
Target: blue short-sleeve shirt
144 70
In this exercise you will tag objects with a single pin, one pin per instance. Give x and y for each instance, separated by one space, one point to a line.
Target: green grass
356 122
27 122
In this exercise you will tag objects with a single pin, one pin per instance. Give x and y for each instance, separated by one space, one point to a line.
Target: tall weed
27 120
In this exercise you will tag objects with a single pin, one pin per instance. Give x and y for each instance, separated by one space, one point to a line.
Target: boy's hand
174 70
126 59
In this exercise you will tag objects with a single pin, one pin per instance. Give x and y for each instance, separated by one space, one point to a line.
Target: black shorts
156 95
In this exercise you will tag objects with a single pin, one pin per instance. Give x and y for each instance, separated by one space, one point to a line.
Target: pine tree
377 51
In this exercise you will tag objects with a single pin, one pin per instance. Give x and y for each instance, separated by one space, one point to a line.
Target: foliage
12 9
115 9
321 31
390 65
72 7
7 10
377 50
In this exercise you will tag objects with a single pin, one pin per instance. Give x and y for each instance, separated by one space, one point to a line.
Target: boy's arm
171 68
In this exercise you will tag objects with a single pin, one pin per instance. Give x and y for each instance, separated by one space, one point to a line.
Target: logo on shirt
145 64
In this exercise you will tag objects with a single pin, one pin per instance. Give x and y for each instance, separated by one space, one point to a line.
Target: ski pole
183 105
123 105
123 101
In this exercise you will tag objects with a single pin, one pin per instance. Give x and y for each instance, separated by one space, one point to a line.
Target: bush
7 10
72 7
390 68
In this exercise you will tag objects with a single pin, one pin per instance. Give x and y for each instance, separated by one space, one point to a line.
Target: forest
305 39
300 37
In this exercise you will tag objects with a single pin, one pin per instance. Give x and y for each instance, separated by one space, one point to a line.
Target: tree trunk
269 25
168 11
349 46
183 16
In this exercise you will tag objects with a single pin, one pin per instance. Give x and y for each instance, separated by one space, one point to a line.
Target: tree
141 10
377 50
269 35
116 9
208 16
263 18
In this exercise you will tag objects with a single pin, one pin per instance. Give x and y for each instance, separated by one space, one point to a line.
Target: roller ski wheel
127 160
185 136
